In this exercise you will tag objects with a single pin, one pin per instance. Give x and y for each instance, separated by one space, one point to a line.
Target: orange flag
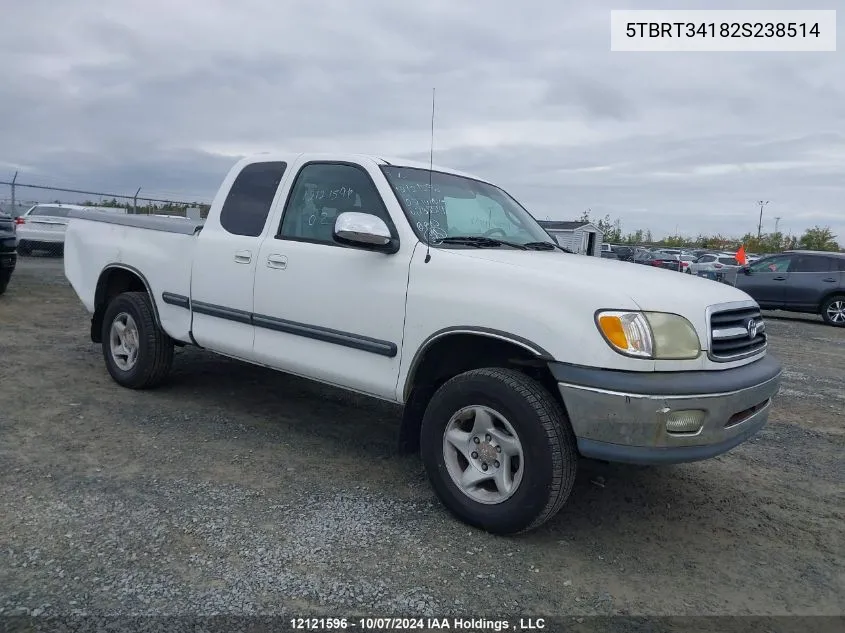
740 255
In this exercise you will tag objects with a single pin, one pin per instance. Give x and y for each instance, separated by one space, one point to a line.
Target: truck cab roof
337 157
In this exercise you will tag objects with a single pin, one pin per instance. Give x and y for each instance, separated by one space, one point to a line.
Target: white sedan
43 226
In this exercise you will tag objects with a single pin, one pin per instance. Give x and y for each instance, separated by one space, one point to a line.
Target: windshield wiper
547 246
479 241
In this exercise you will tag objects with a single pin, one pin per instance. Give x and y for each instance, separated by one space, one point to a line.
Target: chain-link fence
40 225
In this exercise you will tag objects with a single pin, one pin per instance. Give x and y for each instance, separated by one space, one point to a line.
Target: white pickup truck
438 291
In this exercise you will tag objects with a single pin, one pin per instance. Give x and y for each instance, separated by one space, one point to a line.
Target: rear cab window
250 198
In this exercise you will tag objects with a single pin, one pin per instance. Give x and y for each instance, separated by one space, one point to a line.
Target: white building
583 238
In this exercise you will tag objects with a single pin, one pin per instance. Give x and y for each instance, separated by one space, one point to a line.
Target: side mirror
364 230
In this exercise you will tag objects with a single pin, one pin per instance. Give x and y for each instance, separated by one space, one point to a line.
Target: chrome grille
736 333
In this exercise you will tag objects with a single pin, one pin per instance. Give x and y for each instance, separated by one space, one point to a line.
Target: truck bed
151 222
160 250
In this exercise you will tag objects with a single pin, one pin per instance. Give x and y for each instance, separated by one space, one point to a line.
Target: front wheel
137 352
833 311
499 450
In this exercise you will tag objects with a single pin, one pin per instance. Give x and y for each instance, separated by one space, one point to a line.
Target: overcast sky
166 95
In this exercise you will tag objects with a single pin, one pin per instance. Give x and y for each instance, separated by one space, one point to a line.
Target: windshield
461 207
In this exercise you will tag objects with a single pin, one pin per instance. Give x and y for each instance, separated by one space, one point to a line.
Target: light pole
762 204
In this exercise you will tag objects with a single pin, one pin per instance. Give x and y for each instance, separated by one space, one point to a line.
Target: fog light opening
689 421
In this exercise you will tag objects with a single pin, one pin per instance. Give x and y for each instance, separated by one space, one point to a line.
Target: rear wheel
499 450
137 352
5 276
24 248
833 310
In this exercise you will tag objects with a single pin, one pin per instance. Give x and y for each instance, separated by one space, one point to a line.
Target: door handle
779 278
243 257
829 280
277 261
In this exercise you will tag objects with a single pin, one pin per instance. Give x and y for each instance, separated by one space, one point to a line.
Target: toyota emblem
751 326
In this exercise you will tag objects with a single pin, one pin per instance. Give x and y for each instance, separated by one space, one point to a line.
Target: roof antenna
430 189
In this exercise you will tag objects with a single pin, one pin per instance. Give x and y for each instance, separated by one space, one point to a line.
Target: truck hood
652 289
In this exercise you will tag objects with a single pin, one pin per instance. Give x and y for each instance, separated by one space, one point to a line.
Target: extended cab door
225 259
324 310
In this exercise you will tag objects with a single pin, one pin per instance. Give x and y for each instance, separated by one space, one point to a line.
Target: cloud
168 95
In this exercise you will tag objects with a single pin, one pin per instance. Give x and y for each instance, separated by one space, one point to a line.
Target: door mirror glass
364 230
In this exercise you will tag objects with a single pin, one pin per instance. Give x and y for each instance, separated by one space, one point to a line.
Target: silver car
713 262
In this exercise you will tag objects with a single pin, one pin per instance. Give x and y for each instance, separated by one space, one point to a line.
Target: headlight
654 335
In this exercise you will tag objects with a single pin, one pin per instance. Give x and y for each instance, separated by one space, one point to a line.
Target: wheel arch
839 292
829 295
454 350
113 280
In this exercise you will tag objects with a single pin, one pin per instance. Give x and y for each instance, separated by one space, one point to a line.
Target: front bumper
621 416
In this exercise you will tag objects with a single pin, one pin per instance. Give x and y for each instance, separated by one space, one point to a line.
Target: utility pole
762 204
13 192
135 201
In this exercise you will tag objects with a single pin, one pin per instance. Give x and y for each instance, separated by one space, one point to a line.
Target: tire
833 310
24 248
4 281
546 472
153 353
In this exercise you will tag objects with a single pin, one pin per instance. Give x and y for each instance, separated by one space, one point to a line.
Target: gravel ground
239 490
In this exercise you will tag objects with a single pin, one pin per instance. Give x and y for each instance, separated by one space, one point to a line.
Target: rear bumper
41 238
622 416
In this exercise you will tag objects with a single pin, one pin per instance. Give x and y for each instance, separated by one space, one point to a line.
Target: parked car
714 262
609 255
658 259
8 255
625 253
511 357
620 252
799 281
43 226
687 258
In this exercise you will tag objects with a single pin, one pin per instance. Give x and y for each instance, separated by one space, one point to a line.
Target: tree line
816 238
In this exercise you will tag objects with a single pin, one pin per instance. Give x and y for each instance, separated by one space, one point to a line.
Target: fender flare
538 351
100 288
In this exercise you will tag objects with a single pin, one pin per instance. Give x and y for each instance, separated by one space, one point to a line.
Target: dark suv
798 281
8 256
